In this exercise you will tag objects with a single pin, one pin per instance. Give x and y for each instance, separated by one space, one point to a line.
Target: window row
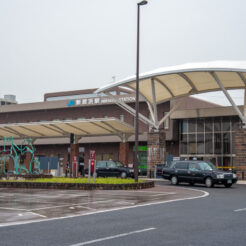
208 143
216 124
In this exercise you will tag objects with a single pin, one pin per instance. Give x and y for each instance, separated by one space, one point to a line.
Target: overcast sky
59 45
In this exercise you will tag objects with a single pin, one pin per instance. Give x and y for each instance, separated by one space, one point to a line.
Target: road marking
205 194
112 237
40 215
21 209
69 205
168 193
239 210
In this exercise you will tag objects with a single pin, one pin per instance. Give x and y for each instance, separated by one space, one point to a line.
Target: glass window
206 166
219 161
209 143
233 142
119 164
192 125
226 143
200 143
111 164
193 167
235 123
217 124
200 125
192 143
181 165
166 122
184 144
101 164
226 124
208 125
184 126
217 143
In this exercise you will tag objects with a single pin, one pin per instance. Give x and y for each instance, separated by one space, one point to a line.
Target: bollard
242 175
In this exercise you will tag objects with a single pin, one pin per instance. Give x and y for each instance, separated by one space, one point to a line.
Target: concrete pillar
156 151
74 155
240 151
124 152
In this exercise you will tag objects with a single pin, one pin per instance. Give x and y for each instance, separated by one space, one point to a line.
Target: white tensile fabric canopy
83 127
186 79
168 83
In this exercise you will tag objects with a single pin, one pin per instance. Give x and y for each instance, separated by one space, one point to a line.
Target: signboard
92 155
98 100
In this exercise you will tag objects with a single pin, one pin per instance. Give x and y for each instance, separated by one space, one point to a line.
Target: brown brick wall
124 153
240 151
156 150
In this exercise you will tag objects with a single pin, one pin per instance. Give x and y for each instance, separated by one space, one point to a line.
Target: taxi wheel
174 180
209 182
123 175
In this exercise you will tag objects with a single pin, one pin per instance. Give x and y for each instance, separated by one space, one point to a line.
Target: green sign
141 148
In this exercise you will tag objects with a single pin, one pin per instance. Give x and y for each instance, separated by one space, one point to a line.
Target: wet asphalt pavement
19 206
216 219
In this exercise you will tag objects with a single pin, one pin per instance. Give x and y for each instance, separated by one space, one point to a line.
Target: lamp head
143 2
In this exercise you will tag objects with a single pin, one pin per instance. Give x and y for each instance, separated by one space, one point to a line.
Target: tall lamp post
137 95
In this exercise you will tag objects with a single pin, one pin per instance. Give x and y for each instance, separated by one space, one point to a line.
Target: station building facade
197 129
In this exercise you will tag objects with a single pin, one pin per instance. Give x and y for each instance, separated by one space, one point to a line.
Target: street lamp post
137 95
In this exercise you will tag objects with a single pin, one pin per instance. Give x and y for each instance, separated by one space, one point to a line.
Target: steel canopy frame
182 81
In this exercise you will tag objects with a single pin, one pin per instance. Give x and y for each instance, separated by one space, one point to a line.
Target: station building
195 129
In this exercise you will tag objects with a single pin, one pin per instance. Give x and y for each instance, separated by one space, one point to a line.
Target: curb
77 186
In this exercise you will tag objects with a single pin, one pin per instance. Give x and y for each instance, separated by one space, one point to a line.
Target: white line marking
239 210
112 237
21 209
109 210
69 205
40 215
170 193
20 214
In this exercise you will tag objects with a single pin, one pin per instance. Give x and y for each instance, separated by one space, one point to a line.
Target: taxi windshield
207 166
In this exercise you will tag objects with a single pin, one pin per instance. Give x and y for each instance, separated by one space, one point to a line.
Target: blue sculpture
14 152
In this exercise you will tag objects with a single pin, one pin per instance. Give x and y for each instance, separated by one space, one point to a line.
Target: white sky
59 45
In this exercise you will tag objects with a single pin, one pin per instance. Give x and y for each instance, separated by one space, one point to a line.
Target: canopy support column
243 119
170 112
132 111
154 101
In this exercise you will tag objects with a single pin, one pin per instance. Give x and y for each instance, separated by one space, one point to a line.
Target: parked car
112 169
200 172
159 168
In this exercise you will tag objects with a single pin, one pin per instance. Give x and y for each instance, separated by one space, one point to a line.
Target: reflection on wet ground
22 205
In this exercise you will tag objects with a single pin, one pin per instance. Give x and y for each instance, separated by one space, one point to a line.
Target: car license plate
229 181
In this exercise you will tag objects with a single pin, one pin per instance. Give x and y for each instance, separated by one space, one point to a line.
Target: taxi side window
193 167
181 165
111 164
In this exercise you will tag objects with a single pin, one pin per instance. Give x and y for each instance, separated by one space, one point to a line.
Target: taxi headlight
131 170
220 176
234 175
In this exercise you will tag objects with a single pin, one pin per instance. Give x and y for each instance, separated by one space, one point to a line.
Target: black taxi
200 172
